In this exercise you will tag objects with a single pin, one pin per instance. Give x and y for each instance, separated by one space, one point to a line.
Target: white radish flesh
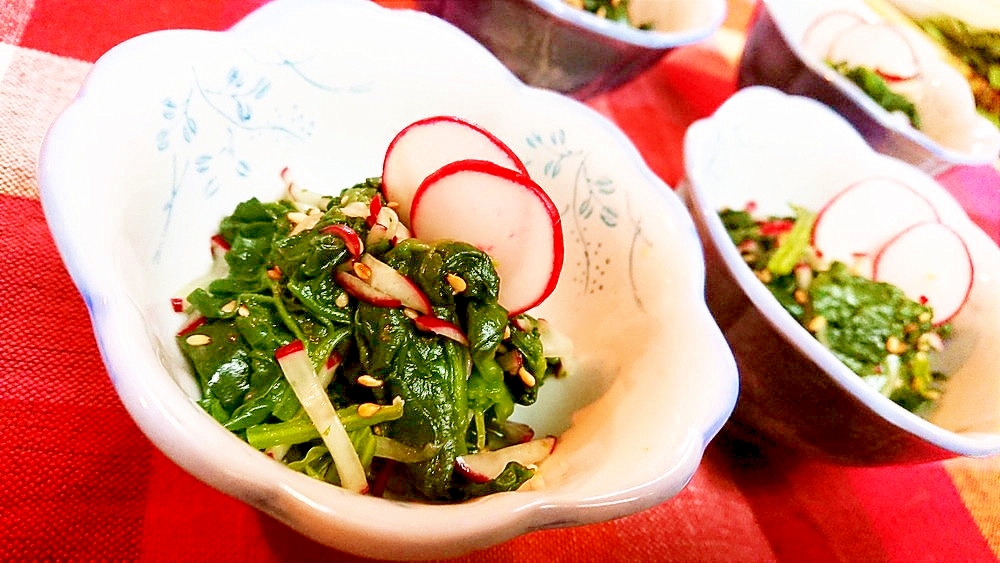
820 34
858 221
426 145
877 46
931 264
388 280
482 466
441 327
298 370
363 291
501 212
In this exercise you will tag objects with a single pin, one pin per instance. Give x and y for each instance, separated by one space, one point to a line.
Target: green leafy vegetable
872 327
876 87
410 401
612 10
979 49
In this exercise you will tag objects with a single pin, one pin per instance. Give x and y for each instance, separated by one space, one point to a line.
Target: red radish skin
430 323
428 144
362 291
293 347
374 207
482 466
503 213
859 220
219 246
931 263
388 280
820 34
350 237
877 46
192 325
295 364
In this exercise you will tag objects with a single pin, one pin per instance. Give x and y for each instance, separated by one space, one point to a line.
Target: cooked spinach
877 88
436 398
872 327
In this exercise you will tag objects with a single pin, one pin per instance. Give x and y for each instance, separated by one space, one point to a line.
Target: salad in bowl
879 70
269 285
859 298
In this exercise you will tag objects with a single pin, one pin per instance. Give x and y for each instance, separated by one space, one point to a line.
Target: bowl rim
973 444
946 156
171 420
649 39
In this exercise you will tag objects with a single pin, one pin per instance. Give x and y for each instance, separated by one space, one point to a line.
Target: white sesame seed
363 271
369 381
458 285
198 340
526 377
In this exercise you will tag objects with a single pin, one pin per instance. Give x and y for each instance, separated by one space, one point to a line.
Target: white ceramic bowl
775 56
173 128
550 44
776 150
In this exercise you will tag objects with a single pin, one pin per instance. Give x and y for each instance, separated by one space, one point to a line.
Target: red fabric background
79 481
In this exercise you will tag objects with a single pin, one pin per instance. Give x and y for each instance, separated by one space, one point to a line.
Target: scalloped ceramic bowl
173 128
774 56
550 44
776 150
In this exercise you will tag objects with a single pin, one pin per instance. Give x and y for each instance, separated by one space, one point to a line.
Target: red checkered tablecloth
79 481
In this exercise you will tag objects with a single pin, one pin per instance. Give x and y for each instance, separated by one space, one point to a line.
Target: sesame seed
342 300
526 377
274 273
764 275
506 332
894 345
816 324
801 297
368 410
229 307
363 271
243 311
411 313
369 381
457 284
198 340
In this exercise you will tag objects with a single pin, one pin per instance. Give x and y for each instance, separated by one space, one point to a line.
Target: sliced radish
876 46
302 198
428 144
858 221
518 432
178 304
931 264
388 280
298 370
219 247
329 368
820 34
363 291
350 237
192 325
482 466
501 212
448 329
